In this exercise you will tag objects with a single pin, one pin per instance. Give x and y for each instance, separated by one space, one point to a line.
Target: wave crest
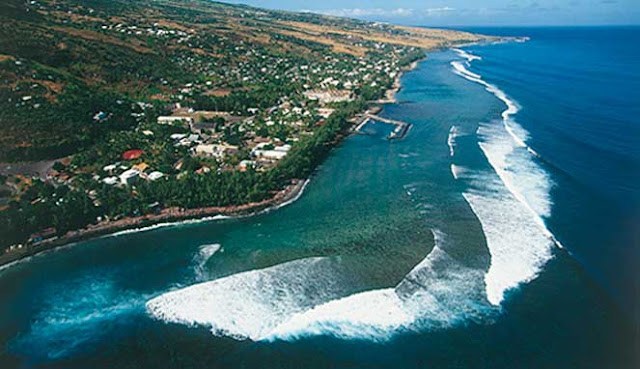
512 220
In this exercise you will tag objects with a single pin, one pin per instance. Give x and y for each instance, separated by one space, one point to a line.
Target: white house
215 150
153 176
110 180
110 168
129 177
178 136
175 119
276 153
329 96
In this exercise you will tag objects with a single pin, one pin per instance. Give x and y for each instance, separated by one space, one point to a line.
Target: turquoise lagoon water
469 244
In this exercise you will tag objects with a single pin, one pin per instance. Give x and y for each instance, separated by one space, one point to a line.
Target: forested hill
64 61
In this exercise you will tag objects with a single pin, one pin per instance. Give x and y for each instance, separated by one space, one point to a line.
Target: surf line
512 108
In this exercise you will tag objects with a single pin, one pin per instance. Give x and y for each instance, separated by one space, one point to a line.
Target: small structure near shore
400 132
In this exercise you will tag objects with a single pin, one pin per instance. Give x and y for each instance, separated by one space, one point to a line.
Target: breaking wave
457 170
438 293
451 140
251 304
310 297
307 297
512 211
292 200
205 253
470 57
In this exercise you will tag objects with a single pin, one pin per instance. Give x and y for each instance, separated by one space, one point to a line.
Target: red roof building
132 154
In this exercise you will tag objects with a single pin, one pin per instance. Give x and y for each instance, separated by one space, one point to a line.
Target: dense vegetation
44 205
83 81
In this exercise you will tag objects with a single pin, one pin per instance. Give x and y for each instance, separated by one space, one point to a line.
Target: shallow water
437 250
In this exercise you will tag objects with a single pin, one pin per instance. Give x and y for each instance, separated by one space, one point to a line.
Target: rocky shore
168 215
176 214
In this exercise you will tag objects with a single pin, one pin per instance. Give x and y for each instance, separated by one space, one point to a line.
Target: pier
401 130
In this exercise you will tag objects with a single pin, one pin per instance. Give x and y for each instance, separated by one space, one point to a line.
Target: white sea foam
251 304
205 253
168 224
438 293
28 259
518 134
408 155
461 70
14 263
292 200
373 315
306 297
466 55
525 179
451 140
457 170
518 248
512 220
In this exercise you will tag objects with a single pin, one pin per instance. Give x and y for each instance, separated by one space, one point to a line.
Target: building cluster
124 175
247 137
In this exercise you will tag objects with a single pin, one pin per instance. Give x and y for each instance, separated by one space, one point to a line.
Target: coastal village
238 140
244 107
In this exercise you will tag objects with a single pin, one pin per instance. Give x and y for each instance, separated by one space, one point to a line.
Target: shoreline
390 94
166 218
174 216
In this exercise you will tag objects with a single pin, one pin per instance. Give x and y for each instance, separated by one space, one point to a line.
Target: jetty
400 132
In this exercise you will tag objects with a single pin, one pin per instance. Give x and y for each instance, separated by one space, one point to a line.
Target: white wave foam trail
251 304
518 249
529 183
370 315
457 170
518 134
439 292
205 253
466 55
517 236
167 224
523 177
461 70
451 140
307 297
292 200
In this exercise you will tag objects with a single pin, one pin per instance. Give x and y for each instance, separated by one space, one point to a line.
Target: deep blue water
441 250
579 92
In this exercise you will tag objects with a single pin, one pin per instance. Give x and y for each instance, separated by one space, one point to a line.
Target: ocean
501 232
